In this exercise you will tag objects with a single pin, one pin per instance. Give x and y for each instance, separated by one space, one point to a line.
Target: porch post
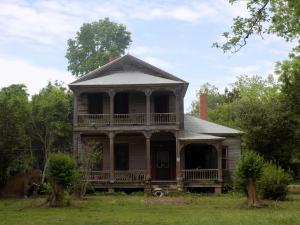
178 170
111 156
177 107
111 94
219 150
75 112
148 93
148 155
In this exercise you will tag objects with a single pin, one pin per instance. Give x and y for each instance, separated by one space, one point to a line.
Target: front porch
143 160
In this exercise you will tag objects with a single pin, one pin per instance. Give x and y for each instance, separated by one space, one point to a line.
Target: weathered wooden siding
234 151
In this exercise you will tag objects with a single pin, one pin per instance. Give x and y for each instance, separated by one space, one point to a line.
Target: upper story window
95 103
121 103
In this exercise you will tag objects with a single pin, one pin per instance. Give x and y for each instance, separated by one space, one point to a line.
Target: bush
61 175
248 171
274 182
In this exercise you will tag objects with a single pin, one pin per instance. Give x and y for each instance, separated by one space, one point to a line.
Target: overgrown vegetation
61 175
248 171
273 183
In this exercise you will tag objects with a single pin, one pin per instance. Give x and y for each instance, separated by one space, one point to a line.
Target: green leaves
94 44
281 17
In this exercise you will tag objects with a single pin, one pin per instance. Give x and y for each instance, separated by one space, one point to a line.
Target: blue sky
174 35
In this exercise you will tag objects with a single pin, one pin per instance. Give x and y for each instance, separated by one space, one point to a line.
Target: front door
163 164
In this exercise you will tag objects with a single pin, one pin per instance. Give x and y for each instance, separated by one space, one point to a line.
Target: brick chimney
203 106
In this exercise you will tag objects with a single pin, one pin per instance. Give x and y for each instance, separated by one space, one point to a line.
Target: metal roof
126 78
197 125
191 136
127 59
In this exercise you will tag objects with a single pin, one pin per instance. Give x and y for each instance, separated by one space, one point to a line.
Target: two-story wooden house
135 113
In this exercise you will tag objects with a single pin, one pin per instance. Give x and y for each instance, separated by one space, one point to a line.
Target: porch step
167 186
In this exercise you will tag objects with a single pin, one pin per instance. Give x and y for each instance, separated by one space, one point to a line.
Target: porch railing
199 174
102 175
94 119
129 176
131 119
163 118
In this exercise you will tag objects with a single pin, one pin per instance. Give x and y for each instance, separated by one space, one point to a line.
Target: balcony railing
131 119
94 119
163 118
199 174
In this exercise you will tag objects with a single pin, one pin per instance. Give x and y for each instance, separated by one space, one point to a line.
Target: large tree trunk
252 197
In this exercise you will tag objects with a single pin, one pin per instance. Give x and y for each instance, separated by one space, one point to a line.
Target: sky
176 36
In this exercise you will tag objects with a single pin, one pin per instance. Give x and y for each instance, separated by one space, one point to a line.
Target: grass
121 210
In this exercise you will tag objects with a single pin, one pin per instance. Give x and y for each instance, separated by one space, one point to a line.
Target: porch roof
196 125
191 136
126 78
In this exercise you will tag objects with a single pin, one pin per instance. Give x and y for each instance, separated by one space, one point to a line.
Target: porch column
178 169
111 156
75 112
148 93
177 107
148 155
111 94
178 172
219 150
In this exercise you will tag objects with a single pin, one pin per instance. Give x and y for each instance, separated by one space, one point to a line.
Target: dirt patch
168 200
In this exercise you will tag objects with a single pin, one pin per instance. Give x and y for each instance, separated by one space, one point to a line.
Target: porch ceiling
190 136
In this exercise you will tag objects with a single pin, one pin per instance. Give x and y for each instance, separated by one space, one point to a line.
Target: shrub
248 171
274 182
61 174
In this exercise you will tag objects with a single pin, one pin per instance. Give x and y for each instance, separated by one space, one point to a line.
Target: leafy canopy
14 140
94 44
280 17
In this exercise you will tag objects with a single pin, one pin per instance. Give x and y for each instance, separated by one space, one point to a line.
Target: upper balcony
127 108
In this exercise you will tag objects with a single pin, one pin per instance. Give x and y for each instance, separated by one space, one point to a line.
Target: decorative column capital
77 92
111 93
147 134
148 92
111 135
178 92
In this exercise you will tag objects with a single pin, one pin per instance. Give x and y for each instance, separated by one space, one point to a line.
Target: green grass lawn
189 209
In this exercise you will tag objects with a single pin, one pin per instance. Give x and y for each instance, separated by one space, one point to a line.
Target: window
225 157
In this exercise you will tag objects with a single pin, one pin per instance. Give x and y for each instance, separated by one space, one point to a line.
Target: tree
248 171
61 174
51 120
14 139
94 44
280 17
255 106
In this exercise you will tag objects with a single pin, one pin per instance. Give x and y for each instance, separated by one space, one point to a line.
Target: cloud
52 22
15 71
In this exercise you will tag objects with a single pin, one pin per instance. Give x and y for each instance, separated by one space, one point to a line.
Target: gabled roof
120 66
126 78
197 125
